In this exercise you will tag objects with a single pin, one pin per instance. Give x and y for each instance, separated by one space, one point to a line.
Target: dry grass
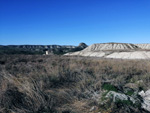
30 83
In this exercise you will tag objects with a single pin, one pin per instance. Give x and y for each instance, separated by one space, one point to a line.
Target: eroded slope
116 50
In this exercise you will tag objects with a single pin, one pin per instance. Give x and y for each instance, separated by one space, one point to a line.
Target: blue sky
69 22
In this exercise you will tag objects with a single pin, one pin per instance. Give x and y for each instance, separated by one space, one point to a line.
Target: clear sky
69 22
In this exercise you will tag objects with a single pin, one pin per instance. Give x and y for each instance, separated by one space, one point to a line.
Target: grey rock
146 99
119 96
93 108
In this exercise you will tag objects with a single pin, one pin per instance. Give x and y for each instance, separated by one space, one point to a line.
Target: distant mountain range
40 49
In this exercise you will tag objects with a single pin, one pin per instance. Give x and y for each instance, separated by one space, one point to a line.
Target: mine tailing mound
116 50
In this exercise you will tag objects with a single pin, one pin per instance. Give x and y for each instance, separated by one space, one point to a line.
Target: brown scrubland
65 84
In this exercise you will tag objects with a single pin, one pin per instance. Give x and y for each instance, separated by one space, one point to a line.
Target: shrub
109 87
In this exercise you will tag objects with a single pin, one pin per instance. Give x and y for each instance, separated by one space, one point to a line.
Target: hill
144 46
111 46
115 50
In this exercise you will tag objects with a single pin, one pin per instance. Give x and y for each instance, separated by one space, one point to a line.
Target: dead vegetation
61 84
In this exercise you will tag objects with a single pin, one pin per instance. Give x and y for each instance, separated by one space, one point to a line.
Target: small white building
48 52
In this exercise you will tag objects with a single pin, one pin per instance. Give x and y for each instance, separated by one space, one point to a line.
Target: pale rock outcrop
130 55
111 46
143 46
87 53
114 51
119 96
146 99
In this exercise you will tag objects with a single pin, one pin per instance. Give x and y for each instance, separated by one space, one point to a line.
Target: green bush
129 93
109 87
124 102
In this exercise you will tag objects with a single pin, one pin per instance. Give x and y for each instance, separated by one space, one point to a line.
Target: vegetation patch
56 84
109 87
129 93
124 102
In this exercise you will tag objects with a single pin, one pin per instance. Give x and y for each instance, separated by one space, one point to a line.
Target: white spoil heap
143 46
115 50
111 46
